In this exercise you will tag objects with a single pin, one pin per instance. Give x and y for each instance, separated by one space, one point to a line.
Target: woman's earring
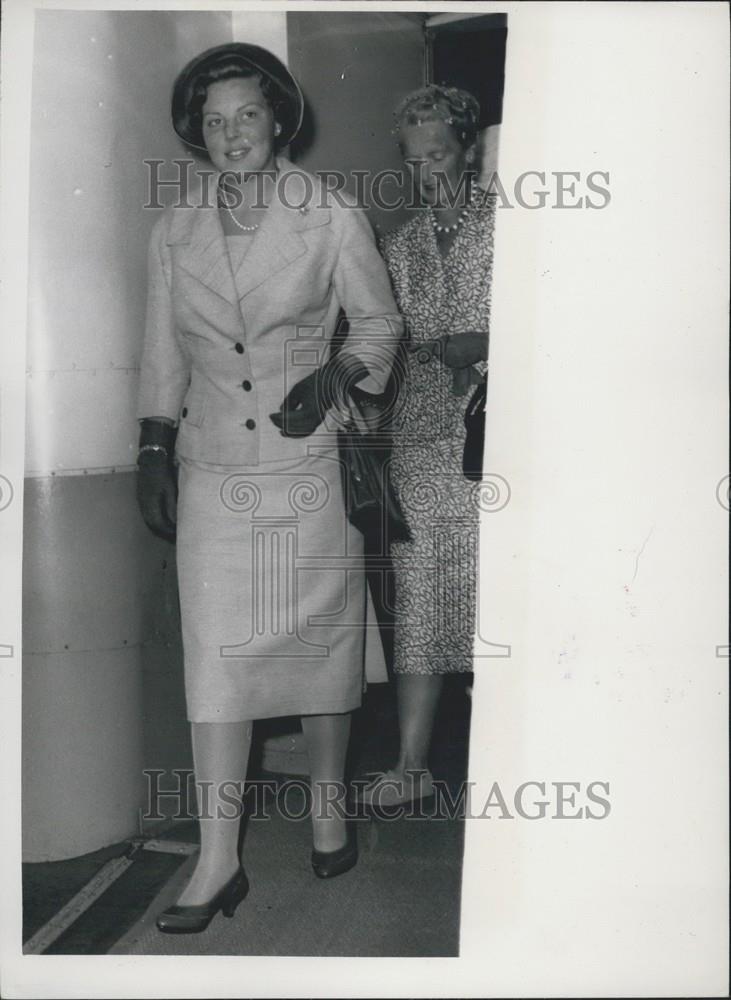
277 128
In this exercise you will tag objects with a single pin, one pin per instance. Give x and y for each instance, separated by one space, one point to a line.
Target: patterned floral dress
436 572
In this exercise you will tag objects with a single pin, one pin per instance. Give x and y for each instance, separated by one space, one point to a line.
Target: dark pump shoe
194 919
328 864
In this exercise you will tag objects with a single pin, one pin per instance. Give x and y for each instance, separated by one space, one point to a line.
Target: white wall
607 570
101 106
265 28
101 93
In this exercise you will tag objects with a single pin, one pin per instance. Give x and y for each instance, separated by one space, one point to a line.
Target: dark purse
474 421
371 503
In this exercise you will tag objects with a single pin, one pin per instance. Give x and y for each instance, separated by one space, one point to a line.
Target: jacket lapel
203 252
278 242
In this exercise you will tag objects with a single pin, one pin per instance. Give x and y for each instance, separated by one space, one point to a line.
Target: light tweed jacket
222 350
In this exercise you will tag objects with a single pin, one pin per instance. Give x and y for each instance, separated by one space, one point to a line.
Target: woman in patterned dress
440 267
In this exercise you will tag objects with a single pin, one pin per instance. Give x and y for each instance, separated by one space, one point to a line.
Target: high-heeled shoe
194 919
328 864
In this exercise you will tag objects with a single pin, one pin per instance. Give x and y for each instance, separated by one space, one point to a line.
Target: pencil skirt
277 618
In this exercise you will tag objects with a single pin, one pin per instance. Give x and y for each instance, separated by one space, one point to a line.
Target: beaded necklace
450 229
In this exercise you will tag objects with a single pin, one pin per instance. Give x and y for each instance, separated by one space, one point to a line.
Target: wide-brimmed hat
289 114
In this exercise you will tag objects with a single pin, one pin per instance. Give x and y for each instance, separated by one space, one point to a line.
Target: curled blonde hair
458 108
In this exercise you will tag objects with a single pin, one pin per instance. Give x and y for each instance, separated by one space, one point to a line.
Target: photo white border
539 914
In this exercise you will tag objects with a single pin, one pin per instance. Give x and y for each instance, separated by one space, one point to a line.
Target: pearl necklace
450 229
242 227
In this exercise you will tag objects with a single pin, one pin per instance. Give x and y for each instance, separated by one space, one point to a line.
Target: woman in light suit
237 395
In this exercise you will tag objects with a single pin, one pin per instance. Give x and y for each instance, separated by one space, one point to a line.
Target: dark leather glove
455 350
157 491
305 405
463 349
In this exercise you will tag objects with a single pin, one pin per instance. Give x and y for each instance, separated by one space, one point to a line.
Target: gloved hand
157 490
455 350
464 349
304 407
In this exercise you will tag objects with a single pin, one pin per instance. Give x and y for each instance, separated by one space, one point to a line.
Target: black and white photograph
317 653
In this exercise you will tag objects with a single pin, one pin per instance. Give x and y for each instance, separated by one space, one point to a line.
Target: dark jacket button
185 411
246 385
239 348
251 424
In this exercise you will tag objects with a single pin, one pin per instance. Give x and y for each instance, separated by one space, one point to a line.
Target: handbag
371 503
474 444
